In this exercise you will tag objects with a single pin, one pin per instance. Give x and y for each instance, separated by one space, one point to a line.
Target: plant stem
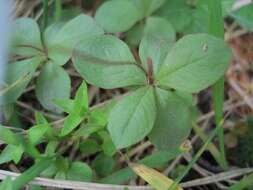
216 28
58 10
45 14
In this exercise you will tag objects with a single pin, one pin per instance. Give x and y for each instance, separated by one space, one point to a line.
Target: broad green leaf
53 83
159 37
194 62
18 75
106 62
244 16
177 12
79 171
36 133
6 184
132 118
117 15
7 136
153 177
173 121
147 7
71 122
26 38
103 165
62 39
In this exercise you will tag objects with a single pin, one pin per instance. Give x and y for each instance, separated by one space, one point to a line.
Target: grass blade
216 28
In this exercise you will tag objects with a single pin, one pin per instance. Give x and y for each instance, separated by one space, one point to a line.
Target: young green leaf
80 107
173 121
18 75
70 123
81 100
133 117
26 40
79 171
195 62
62 39
159 37
117 15
106 62
11 152
53 83
7 136
36 133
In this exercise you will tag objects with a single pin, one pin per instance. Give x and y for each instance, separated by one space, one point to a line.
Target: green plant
160 78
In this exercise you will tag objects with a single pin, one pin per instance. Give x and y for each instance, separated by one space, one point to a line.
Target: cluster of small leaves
90 138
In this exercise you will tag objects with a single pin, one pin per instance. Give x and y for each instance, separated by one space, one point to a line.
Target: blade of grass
216 28
45 14
58 10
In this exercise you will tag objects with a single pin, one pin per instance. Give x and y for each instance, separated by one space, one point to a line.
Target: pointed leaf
60 46
114 18
132 118
7 136
81 100
53 83
195 62
36 133
106 62
71 122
